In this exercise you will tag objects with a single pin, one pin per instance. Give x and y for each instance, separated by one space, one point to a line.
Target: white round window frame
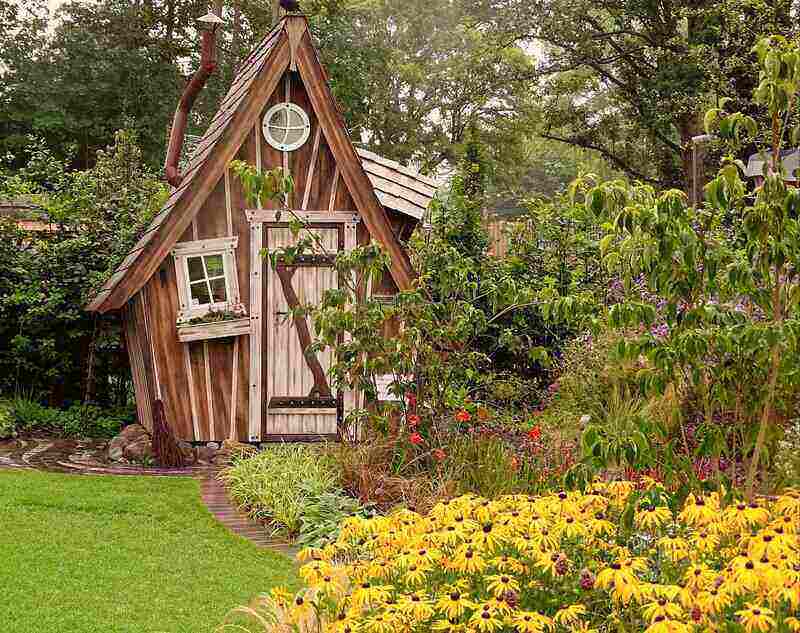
286 147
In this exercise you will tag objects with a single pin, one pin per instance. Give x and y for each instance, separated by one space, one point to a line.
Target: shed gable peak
285 64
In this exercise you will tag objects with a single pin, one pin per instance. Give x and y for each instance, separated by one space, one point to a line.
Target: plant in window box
216 323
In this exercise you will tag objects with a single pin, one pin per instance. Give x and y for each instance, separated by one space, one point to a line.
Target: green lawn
120 554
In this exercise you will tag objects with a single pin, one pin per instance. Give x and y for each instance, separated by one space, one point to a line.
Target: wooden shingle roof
398 187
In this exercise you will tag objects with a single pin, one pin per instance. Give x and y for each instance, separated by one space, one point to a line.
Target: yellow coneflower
570 527
499 584
570 615
661 624
756 618
416 606
698 577
662 607
705 540
582 627
454 603
741 516
675 547
367 594
793 624
699 511
652 517
531 622
415 574
468 561
485 619
508 564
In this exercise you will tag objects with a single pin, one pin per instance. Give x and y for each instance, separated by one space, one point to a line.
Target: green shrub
7 426
277 484
322 516
80 420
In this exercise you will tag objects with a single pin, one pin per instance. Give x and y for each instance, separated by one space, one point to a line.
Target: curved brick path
86 457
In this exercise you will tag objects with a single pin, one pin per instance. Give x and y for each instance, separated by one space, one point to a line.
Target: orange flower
483 413
413 419
439 454
535 433
463 416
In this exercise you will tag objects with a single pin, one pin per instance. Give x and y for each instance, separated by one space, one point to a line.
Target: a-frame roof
288 45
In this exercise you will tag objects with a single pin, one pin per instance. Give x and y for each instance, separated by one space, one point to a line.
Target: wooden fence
498 239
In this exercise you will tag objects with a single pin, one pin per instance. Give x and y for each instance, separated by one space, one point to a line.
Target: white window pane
295 120
218 291
278 118
196 268
200 294
293 136
214 265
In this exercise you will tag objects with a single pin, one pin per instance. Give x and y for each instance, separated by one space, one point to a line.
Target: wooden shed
248 378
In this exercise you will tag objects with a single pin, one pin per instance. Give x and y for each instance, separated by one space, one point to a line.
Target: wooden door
298 396
290 393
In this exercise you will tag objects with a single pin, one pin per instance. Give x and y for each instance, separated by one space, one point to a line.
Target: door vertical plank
232 435
256 330
192 400
209 395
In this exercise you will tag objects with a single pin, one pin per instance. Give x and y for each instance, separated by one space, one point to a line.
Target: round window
286 126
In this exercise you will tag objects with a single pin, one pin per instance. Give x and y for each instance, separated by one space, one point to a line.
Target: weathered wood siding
205 384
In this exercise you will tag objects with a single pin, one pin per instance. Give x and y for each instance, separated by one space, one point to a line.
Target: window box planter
215 329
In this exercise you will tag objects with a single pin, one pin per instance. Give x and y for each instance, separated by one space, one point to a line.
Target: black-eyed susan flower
662 607
367 594
675 548
704 541
698 576
699 510
499 584
454 602
485 619
652 517
531 622
661 624
467 560
416 606
570 615
756 618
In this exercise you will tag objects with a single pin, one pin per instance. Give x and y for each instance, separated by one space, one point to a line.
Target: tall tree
630 78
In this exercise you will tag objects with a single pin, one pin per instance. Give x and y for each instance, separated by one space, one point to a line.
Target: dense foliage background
574 329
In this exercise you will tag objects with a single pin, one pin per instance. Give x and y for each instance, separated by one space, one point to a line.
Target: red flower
439 454
463 416
413 419
535 433
411 399
415 438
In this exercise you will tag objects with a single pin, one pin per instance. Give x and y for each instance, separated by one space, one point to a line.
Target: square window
207 285
206 271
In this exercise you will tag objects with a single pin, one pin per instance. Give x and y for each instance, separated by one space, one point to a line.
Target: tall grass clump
277 484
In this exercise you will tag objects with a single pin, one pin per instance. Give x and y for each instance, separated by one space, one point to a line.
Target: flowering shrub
613 558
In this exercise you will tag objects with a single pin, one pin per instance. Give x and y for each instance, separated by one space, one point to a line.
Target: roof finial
290 6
